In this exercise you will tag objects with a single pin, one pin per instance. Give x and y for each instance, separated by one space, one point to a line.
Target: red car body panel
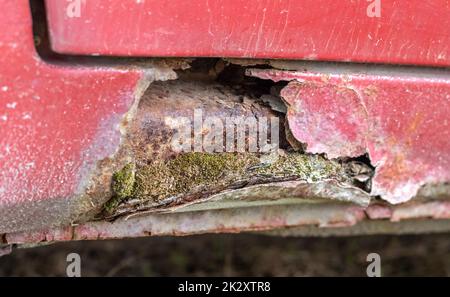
406 32
60 120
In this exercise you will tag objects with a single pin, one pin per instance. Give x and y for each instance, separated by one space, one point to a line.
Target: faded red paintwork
400 118
407 32
56 122
238 220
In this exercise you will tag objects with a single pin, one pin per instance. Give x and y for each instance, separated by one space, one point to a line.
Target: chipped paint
396 116
69 127
321 215
166 179
52 148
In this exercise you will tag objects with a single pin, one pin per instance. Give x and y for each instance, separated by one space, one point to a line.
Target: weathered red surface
238 220
408 32
400 119
56 122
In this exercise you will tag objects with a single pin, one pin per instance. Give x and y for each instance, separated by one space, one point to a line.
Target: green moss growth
111 205
196 172
122 186
189 171
123 181
311 168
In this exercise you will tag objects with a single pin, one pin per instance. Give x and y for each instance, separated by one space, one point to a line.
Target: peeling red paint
400 119
214 221
434 209
329 119
327 215
379 212
56 122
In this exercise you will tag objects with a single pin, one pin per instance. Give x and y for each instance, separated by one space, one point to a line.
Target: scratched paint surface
408 32
403 123
252 219
56 122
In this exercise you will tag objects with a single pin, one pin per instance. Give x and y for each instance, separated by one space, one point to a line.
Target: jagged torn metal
398 117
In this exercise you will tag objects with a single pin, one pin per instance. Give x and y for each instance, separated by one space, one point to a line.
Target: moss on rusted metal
311 168
123 182
189 171
200 172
